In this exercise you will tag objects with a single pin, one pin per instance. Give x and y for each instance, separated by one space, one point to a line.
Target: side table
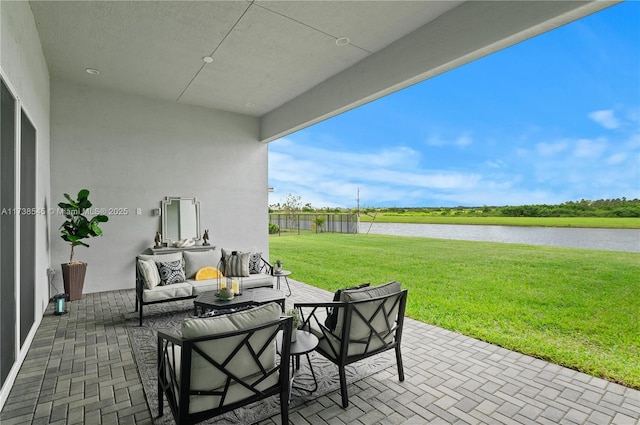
284 274
305 343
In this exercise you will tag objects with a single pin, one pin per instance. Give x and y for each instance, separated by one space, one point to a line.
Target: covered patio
81 369
137 101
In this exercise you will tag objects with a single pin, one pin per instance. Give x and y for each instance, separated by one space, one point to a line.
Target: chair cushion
331 345
360 329
235 393
194 261
349 295
332 319
205 376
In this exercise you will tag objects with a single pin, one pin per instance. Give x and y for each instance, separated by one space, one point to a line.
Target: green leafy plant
295 314
320 220
273 228
77 226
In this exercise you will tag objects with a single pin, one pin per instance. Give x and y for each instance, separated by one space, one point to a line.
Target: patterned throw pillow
254 263
170 272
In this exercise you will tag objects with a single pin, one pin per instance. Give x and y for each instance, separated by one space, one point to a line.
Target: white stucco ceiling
279 59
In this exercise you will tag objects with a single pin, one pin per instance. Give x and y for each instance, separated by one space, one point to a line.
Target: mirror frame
165 203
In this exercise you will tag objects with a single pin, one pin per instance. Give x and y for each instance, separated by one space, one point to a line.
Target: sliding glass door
27 226
7 231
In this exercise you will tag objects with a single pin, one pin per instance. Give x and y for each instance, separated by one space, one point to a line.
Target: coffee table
209 301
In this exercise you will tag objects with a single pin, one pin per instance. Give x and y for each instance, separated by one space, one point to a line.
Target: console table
170 249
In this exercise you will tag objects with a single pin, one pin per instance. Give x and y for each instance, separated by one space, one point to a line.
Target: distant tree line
619 207
583 208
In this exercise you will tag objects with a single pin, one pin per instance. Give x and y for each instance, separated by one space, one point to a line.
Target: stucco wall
131 152
23 66
25 69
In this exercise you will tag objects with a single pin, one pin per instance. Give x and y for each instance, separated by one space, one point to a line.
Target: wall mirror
180 219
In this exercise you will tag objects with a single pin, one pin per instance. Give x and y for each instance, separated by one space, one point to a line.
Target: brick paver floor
80 369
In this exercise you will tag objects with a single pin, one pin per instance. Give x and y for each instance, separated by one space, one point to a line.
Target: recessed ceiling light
92 71
342 41
207 59
249 104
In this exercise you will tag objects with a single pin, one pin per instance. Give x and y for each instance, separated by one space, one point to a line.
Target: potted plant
296 322
225 294
76 228
277 266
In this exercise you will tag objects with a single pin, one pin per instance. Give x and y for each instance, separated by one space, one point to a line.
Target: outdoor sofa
170 277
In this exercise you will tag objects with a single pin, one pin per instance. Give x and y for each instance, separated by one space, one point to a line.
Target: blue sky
553 119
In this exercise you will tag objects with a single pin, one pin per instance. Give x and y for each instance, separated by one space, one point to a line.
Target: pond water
607 239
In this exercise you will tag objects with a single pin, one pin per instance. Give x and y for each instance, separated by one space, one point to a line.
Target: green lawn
574 307
599 222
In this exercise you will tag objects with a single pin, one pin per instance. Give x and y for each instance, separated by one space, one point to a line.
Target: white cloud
460 141
463 141
616 159
544 171
435 141
587 148
605 118
497 163
325 177
551 149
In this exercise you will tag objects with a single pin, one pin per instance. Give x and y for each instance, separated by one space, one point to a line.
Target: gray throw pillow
194 261
149 272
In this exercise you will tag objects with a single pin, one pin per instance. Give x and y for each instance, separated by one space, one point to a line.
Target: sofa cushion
203 374
257 281
235 265
161 293
194 261
170 272
201 286
149 273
